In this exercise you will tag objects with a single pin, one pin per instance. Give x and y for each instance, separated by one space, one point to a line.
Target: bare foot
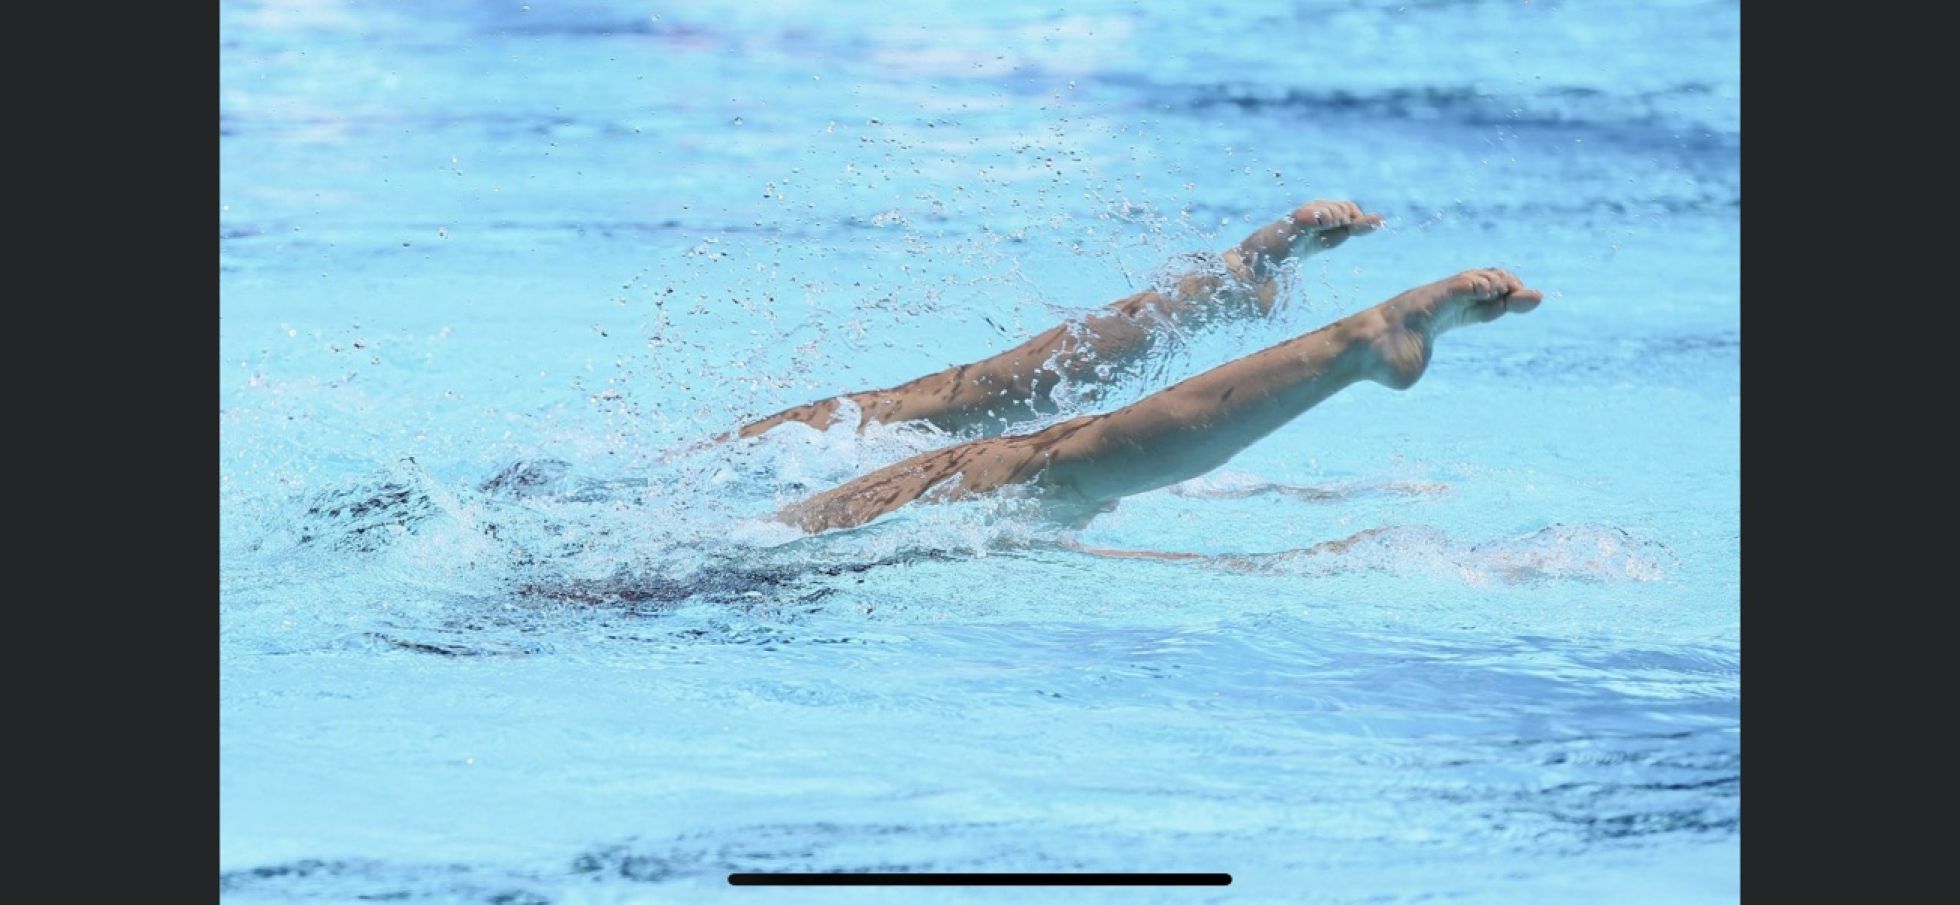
1410 322
1312 228
1322 225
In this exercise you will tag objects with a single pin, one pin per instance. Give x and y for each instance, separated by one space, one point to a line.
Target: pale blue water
455 236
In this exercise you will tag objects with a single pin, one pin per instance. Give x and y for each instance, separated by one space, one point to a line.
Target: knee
1075 440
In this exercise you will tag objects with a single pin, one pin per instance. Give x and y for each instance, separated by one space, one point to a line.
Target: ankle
1387 348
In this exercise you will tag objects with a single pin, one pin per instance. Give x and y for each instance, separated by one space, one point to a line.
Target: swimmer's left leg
992 394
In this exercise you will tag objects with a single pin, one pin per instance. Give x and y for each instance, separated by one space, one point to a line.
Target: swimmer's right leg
1189 429
1014 386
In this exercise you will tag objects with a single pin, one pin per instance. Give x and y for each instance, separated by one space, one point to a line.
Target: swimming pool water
457 236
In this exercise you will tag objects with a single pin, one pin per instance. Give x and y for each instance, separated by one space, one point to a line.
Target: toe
1321 215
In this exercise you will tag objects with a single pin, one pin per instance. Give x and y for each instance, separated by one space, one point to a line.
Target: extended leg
1199 424
1193 427
1014 386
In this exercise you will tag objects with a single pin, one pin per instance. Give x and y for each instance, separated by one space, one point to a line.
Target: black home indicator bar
1004 879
